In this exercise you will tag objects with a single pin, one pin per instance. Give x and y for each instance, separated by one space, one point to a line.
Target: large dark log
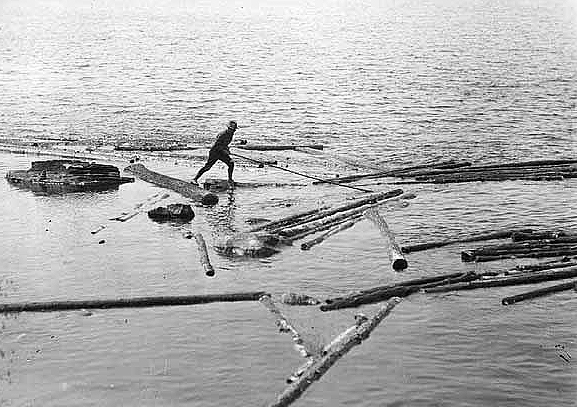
398 261
539 293
544 235
533 254
137 302
403 289
515 249
503 234
319 367
184 188
526 278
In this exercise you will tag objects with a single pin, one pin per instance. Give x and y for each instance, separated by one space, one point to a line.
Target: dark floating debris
172 212
64 176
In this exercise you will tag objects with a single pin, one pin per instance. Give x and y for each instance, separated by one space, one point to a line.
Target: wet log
341 212
403 289
333 231
325 226
514 249
203 252
136 302
184 188
398 261
285 326
527 278
323 364
275 147
546 266
529 254
503 234
455 180
560 235
473 172
539 293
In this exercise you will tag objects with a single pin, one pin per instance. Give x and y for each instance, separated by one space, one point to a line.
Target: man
219 151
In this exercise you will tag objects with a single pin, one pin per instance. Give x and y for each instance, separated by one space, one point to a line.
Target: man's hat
232 123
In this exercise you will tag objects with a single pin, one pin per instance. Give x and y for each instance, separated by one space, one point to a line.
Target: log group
538 170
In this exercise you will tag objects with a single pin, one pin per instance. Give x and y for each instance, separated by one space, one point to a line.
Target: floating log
341 212
298 299
137 302
98 229
325 226
339 228
138 208
515 249
547 266
527 278
539 293
186 189
545 235
532 254
322 365
273 147
403 289
398 261
394 172
285 326
502 234
544 177
203 252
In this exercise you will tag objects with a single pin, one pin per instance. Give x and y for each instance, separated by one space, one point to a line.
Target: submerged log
539 293
184 188
322 365
527 278
503 234
203 252
349 160
285 326
336 229
396 257
137 302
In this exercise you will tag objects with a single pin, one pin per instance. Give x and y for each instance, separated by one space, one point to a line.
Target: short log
203 252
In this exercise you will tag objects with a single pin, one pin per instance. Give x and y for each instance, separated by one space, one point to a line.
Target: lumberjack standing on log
219 151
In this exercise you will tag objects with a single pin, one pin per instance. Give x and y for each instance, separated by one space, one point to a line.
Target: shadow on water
221 218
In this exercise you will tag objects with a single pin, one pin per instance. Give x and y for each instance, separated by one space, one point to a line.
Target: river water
392 82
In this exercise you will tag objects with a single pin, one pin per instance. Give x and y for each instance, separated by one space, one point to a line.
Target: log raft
184 188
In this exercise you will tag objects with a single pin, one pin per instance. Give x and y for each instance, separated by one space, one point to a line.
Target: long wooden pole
137 302
321 366
184 188
398 261
539 293
339 228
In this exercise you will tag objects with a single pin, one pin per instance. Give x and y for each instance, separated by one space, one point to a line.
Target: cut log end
400 264
209 199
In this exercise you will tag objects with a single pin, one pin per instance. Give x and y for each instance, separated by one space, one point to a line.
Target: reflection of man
219 151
